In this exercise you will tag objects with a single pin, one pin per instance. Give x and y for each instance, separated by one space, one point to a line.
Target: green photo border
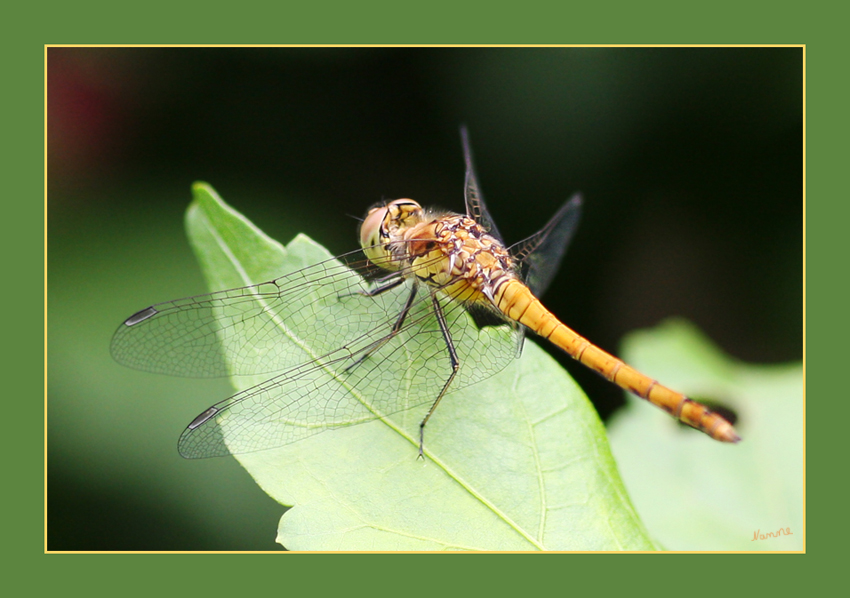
547 22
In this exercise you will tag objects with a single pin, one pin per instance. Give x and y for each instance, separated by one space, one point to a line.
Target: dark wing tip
141 316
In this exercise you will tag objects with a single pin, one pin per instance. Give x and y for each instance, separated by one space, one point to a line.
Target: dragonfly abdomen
517 302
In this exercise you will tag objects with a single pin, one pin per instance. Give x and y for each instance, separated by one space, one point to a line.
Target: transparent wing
251 330
475 206
339 363
539 256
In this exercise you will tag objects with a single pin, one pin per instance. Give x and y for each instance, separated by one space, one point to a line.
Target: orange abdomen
517 302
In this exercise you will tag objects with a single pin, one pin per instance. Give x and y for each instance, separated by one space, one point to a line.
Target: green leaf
519 461
698 495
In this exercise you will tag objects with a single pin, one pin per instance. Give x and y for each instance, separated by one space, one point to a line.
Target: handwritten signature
786 531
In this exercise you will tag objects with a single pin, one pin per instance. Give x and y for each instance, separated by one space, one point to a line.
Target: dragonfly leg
368 351
447 337
394 280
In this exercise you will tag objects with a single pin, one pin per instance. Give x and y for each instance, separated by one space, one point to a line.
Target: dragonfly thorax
451 252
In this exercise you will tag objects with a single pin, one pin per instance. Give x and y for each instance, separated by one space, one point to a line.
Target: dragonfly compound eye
370 228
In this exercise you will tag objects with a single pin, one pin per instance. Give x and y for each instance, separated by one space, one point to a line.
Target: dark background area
689 160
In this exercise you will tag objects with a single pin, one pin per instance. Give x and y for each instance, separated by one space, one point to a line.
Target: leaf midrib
240 269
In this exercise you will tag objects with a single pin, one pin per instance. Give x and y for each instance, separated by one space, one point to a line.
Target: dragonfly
432 302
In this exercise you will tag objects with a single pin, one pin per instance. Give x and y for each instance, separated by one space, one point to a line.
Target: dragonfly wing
298 403
260 329
374 375
539 256
475 206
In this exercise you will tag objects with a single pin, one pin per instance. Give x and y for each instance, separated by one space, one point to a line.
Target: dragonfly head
384 224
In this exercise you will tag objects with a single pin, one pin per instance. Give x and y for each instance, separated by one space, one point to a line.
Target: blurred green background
689 159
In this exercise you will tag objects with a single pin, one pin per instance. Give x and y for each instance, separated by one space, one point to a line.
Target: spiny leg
447 337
